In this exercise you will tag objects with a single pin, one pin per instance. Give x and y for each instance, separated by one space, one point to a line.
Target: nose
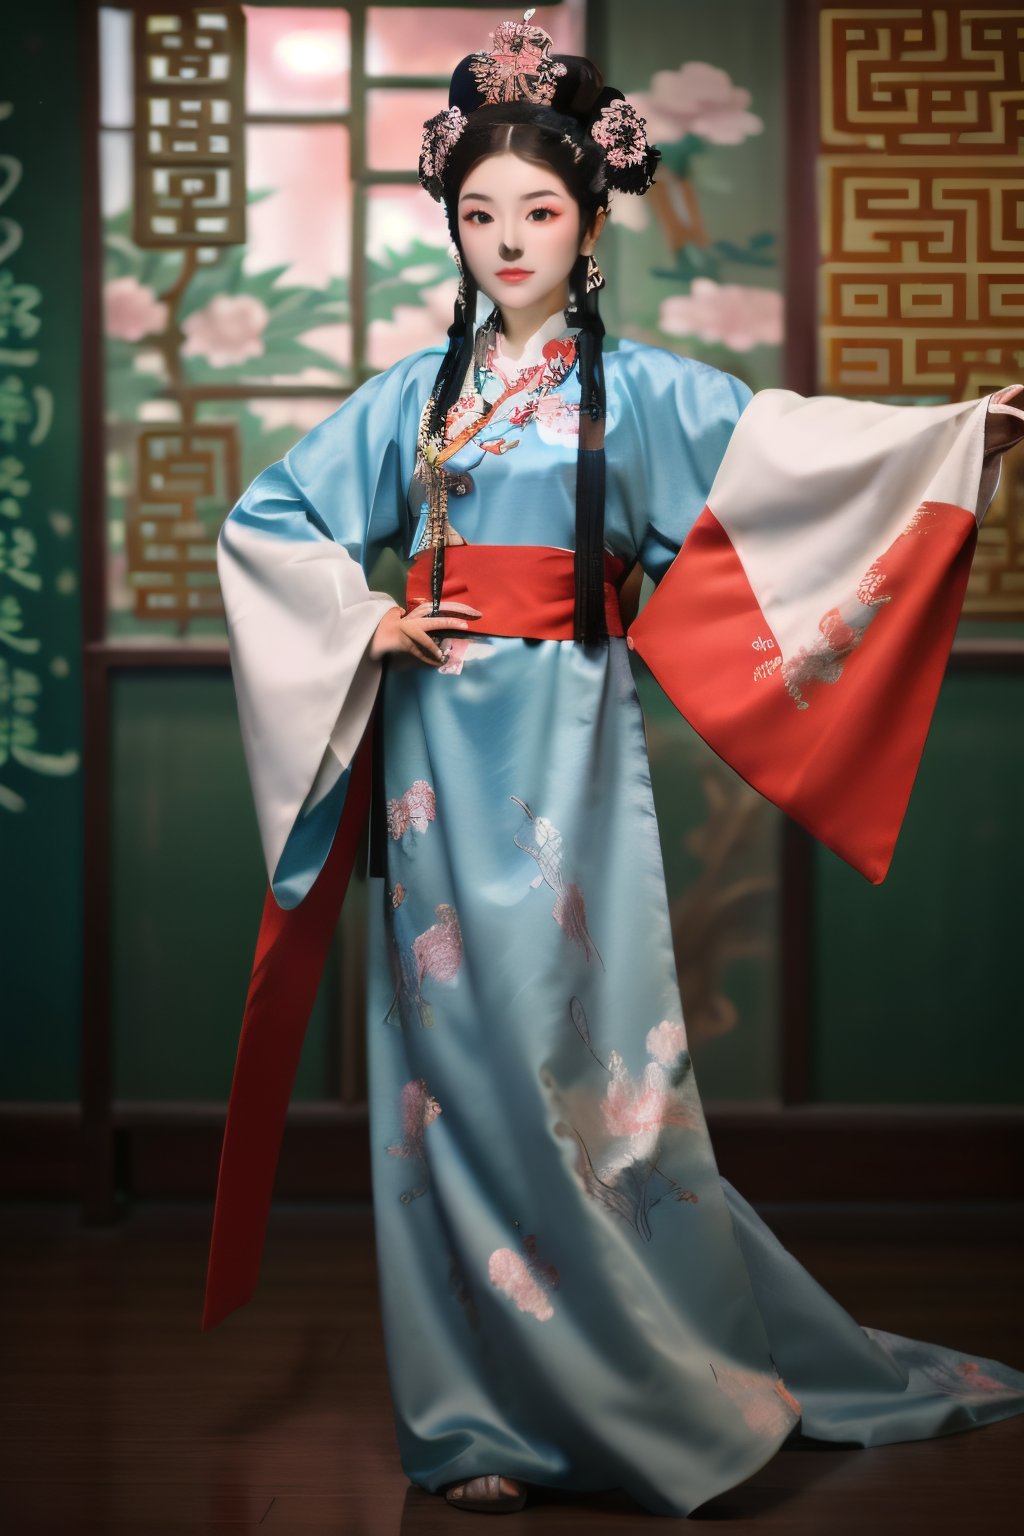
508 252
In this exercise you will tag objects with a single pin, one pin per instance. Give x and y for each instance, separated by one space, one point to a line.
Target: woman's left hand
1004 424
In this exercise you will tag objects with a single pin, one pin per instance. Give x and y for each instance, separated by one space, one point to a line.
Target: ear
593 234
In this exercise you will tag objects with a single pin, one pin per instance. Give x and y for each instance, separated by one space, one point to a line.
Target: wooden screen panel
190 131
921 180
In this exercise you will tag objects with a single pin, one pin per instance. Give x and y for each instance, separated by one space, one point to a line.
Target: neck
518 325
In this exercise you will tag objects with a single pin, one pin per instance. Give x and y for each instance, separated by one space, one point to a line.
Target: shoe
488 1495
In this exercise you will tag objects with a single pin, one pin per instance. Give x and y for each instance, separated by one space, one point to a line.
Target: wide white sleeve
293 558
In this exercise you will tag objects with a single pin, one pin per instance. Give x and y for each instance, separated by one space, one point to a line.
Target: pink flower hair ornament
621 133
520 68
440 136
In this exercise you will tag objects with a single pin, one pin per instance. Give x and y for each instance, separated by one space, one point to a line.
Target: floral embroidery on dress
620 1134
414 809
637 1111
666 1042
767 1406
438 950
526 1281
843 628
955 1378
557 418
528 389
543 842
419 1109
435 955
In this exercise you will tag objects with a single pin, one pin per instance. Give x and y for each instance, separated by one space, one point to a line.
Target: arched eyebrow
481 197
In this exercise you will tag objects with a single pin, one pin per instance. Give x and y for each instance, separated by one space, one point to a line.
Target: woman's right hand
413 631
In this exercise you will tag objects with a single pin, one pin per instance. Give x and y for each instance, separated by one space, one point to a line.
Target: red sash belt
520 590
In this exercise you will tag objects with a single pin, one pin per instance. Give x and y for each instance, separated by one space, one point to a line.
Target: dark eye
542 215
477 216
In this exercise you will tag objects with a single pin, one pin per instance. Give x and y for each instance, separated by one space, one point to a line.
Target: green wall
188 883
40 653
917 984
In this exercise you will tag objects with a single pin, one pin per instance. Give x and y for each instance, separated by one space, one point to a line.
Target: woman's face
519 226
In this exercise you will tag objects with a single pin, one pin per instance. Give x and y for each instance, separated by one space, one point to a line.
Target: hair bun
579 89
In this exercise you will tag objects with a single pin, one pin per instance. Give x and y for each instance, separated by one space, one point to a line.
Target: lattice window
268 248
922 225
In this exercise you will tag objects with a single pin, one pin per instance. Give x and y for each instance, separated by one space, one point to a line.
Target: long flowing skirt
571 1293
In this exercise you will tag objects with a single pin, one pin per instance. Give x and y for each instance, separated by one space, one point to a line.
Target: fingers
421 643
424 610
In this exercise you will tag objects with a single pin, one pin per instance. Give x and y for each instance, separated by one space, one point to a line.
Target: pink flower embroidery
419 1109
131 310
977 1381
666 1042
767 1406
737 316
527 1282
414 809
557 418
227 331
438 951
639 1110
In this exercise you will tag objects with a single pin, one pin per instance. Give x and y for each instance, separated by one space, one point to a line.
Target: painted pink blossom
412 325
699 99
438 951
131 310
419 1109
227 331
666 1042
414 809
511 1274
738 317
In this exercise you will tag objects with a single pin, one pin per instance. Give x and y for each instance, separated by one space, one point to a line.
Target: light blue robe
571 1294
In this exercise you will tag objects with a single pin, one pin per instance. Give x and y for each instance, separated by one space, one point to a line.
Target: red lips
513 274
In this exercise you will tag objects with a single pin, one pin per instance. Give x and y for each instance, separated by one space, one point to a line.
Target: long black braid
589 622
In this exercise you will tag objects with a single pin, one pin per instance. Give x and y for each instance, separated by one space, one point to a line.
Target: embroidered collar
553 329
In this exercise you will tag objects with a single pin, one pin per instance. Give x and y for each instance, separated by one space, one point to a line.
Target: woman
571 1295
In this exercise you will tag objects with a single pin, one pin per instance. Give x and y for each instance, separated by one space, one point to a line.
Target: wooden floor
118 1415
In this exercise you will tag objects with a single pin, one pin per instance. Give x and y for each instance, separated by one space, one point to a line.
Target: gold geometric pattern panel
933 77
921 183
189 141
185 478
